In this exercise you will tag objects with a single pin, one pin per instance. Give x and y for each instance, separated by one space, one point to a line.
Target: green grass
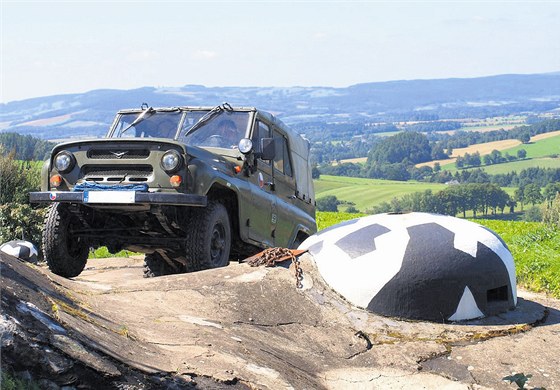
103 253
328 218
541 148
537 156
518 166
366 193
535 248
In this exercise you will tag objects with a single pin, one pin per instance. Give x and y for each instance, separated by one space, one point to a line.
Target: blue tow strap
91 186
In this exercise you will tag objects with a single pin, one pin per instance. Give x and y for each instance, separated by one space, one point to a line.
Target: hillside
90 113
366 193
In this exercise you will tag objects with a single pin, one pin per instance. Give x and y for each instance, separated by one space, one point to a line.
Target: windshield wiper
208 116
143 115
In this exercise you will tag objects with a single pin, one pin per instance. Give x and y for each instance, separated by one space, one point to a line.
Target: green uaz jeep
188 186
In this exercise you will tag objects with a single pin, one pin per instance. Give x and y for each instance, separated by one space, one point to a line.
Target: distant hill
90 113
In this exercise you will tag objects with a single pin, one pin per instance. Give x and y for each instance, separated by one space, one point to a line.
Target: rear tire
209 238
155 265
65 254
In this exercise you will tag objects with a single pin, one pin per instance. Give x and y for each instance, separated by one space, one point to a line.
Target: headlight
64 161
171 161
245 145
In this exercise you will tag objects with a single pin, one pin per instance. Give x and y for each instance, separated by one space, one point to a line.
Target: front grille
130 173
121 154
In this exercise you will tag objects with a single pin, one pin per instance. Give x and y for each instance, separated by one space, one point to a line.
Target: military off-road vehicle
188 186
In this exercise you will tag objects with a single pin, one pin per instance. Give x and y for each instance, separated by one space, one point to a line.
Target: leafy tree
328 203
551 212
315 172
438 153
533 194
403 147
525 137
519 195
521 153
551 191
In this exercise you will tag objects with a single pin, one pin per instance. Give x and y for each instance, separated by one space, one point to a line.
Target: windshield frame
115 131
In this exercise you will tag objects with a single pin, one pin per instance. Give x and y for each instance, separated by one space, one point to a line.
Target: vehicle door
285 213
261 221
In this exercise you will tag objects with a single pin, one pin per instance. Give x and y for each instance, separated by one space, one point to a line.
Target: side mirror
268 149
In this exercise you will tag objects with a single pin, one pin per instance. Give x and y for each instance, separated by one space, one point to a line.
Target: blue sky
55 47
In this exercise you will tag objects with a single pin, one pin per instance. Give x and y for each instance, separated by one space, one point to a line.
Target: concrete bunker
417 266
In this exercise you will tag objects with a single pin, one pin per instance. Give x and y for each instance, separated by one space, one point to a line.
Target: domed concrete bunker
22 249
417 266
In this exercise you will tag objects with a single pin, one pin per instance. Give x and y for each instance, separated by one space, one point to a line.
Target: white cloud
319 36
204 55
143 55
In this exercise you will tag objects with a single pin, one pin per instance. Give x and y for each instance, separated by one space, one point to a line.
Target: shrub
533 214
328 203
21 221
551 212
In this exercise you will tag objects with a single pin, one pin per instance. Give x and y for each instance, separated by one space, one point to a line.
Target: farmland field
541 146
366 193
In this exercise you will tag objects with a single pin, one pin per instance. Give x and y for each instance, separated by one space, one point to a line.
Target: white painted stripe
467 309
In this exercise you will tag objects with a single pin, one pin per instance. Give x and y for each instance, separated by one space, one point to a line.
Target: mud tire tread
55 243
155 266
200 235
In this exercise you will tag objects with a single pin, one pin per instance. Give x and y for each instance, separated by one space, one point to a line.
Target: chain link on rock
271 256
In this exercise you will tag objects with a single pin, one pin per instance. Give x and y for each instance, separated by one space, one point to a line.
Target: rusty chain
271 256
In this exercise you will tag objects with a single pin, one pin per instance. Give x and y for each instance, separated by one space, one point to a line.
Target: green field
541 148
366 193
518 166
537 156
534 246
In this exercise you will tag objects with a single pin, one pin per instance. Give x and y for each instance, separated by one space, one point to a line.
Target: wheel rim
217 244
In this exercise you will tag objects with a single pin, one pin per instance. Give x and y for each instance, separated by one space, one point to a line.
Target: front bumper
115 197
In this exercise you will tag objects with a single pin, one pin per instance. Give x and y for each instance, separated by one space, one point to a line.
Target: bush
328 203
533 214
17 179
551 212
352 210
21 221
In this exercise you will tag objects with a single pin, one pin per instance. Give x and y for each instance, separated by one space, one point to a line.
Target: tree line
25 147
476 198
462 139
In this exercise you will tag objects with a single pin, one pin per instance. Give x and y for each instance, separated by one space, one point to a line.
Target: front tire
65 254
209 241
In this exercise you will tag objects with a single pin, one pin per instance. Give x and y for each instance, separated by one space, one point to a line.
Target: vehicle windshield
224 129
158 124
